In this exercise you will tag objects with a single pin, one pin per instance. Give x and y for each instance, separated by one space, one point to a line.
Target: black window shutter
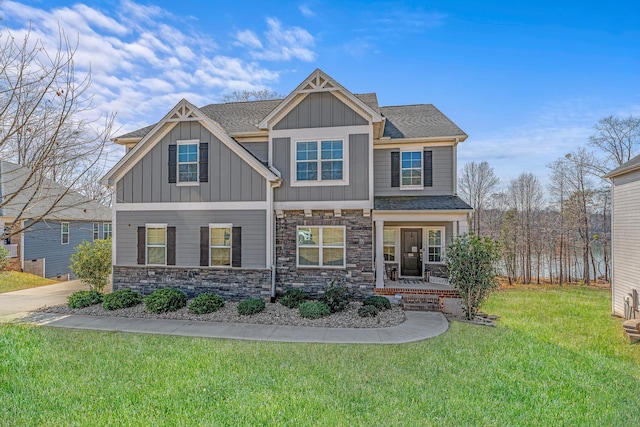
395 169
142 237
204 162
236 247
204 246
427 169
173 161
171 246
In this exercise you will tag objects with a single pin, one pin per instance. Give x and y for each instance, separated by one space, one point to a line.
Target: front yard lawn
557 357
14 281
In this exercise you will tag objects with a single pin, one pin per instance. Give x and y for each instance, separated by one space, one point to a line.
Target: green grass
556 358
14 281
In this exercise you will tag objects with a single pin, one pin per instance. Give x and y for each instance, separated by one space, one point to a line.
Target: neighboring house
50 234
625 236
245 199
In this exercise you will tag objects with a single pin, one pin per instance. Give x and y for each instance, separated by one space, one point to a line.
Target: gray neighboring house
51 234
249 199
625 236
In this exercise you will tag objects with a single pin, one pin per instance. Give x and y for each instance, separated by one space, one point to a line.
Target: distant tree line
565 236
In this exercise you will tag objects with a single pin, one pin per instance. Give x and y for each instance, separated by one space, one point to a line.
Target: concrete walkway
19 306
418 326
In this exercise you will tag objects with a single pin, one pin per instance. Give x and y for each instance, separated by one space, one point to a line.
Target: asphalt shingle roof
404 121
418 121
419 203
36 198
631 165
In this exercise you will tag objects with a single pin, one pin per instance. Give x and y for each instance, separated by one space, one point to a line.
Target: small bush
124 298
314 309
206 303
368 311
91 263
336 297
164 300
5 258
251 306
293 298
82 299
378 301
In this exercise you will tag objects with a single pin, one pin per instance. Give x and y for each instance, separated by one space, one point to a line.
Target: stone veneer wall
231 284
358 275
437 270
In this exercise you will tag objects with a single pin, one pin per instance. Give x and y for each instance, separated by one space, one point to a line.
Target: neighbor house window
435 245
156 244
106 230
64 233
220 244
187 162
411 169
96 231
389 245
321 246
327 165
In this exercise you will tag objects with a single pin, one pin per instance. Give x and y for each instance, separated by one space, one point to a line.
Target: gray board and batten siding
230 177
320 109
44 240
442 164
187 224
358 188
260 150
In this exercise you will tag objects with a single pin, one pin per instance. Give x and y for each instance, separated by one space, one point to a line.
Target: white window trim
413 187
230 227
319 182
396 244
62 233
188 142
96 233
320 247
443 246
104 224
146 242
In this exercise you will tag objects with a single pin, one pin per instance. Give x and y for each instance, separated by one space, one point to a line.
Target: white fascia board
323 205
191 206
420 216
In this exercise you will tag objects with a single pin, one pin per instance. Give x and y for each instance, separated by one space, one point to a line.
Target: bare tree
47 124
618 138
476 183
251 95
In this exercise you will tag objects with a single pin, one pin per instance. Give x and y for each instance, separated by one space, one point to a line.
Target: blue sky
525 80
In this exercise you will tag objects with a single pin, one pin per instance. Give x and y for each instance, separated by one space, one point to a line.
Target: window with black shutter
427 165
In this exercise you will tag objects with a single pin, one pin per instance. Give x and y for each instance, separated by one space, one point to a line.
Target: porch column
455 228
379 254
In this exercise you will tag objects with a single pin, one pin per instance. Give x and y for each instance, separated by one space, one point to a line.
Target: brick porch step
420 303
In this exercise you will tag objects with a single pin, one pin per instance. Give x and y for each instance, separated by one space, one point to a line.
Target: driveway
16 304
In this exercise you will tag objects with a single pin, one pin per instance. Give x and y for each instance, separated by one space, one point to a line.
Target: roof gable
319 81
183 111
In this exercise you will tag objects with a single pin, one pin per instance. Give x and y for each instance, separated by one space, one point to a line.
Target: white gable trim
183 111
318 81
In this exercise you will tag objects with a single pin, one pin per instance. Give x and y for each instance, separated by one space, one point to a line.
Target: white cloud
280 44
306 10
248 38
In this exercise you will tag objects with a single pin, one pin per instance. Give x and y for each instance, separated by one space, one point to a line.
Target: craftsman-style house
248 199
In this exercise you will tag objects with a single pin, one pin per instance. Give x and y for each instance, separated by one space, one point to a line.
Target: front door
411 243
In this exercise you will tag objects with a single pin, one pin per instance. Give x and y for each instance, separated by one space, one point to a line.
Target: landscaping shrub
368 311
124 298
314 309
82 299
91 262
293 298
378 301
206 303
164 300
251 306
336 297
5 257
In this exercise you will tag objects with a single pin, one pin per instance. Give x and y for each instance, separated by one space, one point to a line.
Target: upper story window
320 161
187 162
64 233
411 168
